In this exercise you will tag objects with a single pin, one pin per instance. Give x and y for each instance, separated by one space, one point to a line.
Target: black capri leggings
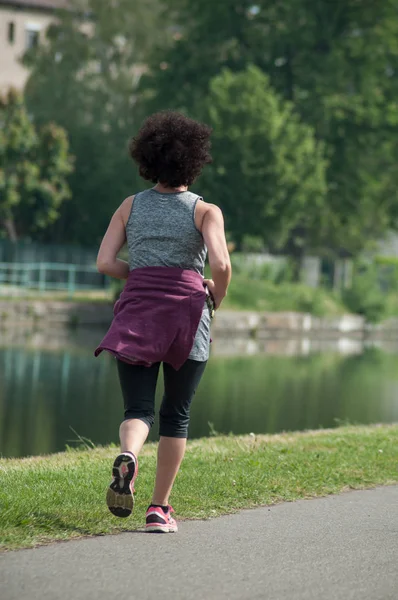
138 385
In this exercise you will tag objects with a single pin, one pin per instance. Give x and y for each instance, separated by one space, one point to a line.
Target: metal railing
17 278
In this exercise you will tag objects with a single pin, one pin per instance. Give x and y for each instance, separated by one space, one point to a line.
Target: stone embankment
44 315
265 326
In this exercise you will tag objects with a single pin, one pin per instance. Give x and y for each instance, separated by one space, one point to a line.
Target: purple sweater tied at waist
156 317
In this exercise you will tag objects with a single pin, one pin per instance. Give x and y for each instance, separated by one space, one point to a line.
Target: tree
336 61
310 50
85 78
269 171
34 166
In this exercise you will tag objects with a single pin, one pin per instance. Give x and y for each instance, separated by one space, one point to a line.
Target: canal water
51 396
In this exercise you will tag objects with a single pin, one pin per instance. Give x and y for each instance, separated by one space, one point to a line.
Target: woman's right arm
108 262
219 261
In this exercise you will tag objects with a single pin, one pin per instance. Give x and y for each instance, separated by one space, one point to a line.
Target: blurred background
302 96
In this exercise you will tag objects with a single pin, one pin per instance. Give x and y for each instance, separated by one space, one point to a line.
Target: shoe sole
119 497
159 529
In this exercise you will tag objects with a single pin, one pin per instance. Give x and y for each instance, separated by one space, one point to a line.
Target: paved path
337 548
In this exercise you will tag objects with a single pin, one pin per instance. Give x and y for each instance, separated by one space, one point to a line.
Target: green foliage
253 266
85 78
336 62
269 171
269 287
387 269
247 293
365 296
302 96
252 243
34 166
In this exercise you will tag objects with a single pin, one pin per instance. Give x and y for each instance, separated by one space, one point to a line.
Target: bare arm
113 242
219 261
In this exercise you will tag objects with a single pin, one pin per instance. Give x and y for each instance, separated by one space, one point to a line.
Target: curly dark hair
171 149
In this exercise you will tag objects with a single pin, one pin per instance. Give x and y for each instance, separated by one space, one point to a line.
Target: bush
249 294
387 270
365 297
255 266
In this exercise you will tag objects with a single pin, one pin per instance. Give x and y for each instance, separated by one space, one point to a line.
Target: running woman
164 312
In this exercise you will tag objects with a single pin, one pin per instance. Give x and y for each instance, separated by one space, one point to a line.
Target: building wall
12 73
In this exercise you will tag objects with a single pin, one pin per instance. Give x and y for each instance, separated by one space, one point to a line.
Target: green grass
61 496
99 296
246 293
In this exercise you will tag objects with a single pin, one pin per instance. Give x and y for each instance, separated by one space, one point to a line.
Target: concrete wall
273 325
244 325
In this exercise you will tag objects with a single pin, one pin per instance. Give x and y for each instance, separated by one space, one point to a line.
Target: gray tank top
161 232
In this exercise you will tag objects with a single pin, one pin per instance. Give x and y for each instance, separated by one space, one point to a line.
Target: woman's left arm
113 242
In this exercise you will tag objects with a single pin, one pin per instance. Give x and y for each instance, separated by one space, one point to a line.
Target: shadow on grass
51 524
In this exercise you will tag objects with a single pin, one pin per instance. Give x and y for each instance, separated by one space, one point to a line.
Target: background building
22 25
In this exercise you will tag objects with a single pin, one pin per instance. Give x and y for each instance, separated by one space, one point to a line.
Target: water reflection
44 392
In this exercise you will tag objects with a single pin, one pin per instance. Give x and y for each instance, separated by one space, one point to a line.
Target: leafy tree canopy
85 78
34 166
336 61
269 172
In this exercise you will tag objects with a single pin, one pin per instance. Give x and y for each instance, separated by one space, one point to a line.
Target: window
32 35
11 32
32 39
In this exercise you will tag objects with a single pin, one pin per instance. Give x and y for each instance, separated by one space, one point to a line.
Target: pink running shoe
158 521
119 497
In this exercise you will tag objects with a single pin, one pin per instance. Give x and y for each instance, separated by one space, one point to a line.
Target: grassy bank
62 496
257 294
262 295
246 293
